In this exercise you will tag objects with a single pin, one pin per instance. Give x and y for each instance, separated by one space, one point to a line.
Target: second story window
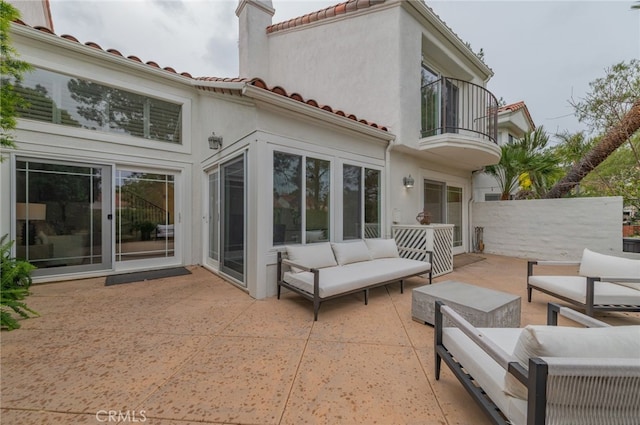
60 99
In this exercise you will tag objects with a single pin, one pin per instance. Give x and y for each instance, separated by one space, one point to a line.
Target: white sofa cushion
350 252
314 256
560 341
340 279
485 371
382 248
594 264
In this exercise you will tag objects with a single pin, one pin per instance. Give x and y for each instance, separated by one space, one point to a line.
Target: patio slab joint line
295 376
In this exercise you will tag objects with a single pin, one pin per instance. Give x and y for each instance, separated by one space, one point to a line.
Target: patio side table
482 307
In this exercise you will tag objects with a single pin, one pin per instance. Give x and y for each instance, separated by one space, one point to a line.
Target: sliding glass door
232 219
63 216
444 203
214 218
145 215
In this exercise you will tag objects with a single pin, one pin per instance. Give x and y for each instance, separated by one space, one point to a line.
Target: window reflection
145 219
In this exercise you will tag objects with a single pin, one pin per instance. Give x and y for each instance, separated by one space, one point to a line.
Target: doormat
462 260
117 279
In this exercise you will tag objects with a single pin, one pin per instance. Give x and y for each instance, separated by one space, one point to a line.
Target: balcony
459 124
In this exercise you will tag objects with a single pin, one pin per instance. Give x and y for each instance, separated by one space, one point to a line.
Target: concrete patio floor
195 349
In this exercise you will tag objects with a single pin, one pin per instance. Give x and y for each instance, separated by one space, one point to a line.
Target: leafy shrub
15 279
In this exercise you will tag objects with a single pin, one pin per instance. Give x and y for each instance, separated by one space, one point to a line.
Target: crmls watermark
121 416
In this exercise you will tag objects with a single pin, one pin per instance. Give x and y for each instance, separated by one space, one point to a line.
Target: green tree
611 108
529 160
618 175
11 71
572 148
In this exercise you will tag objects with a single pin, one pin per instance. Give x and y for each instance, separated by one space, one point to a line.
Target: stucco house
126 166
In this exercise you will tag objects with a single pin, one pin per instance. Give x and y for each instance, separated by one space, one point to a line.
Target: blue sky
542 52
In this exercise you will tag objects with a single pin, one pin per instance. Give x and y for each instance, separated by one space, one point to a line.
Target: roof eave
420 7
292 105
98 53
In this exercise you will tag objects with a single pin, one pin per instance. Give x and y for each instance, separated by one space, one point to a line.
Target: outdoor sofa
327 270
604 282
551 375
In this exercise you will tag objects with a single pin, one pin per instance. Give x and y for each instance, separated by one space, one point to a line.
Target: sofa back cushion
382 248
350 252
314 256
594 264
559 341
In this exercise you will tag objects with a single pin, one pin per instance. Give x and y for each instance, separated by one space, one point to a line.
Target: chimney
254 18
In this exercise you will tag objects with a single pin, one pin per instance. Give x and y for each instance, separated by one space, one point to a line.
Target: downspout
387 167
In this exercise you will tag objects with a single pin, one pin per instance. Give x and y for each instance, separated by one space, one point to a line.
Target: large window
360 202
302 200
61 216
290 173
75 102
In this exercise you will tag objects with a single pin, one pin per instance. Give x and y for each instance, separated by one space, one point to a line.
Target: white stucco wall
344 64
33 12
368 63
550 229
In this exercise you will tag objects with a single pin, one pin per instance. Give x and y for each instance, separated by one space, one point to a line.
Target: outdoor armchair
541 375
604 282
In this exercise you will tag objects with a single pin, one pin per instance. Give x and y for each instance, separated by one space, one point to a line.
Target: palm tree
612 139
525 159
507 172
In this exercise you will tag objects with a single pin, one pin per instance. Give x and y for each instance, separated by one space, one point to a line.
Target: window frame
303 237
363 167
94 73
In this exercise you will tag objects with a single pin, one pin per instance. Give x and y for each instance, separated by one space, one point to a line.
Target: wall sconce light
215 142
408 181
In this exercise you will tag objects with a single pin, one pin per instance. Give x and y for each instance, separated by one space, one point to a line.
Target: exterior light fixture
215 142
408 181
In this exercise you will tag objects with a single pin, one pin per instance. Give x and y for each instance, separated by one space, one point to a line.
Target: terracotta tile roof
256 82
329 12
97 46
259 83
513 107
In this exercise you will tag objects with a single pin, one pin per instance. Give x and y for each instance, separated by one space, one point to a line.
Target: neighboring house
125 166
397 63
514 120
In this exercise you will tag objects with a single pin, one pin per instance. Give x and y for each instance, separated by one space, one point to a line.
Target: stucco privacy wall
550 229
